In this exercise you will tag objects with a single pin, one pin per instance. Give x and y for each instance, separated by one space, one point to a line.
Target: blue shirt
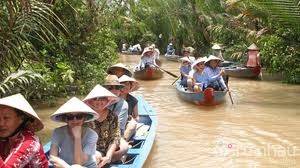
185 70
213 77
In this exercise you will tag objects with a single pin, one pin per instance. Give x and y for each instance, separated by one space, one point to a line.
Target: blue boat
208 97
142 144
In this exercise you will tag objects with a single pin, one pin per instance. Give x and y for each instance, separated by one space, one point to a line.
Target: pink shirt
25 152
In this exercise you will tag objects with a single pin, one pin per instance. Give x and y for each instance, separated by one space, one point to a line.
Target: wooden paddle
229 92
175 80
168 72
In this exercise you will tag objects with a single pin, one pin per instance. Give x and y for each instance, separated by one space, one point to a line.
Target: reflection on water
261 129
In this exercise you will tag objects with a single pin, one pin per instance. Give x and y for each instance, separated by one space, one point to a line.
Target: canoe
208 97
142 141
173 57
243 72
149 73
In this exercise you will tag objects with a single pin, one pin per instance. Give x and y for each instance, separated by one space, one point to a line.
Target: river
260 130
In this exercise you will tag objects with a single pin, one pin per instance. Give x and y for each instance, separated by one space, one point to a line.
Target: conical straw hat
100 91
212 57
74 105
112 80
119 65
18 101
253 47
202 59
216 47
147 49
135 84
185 59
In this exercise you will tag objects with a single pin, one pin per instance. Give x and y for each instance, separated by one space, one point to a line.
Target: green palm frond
286 12
22 27
21 79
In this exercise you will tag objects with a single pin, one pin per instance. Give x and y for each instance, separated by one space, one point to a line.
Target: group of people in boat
202 73
96 132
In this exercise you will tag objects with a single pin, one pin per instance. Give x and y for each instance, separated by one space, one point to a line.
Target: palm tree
24 24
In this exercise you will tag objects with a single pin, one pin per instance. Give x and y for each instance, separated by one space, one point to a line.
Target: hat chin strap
20 127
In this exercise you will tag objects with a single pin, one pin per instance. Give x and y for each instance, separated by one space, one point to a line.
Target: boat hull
174 58
149 73
208 97
243 72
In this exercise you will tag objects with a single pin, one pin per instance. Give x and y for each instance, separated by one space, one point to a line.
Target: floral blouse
25 152
108 132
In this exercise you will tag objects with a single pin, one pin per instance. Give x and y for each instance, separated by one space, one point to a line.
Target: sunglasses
113 87
76 117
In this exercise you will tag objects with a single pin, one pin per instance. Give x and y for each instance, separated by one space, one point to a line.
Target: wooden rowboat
142 141
149 73
208 97
243 72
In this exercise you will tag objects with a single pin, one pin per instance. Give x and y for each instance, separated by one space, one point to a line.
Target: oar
170 73
175 80
229 92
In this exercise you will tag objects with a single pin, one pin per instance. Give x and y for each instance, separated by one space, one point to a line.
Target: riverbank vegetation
56 48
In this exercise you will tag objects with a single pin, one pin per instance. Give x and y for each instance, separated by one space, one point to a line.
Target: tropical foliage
70 43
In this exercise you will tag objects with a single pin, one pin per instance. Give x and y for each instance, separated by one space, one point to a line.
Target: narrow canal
260 130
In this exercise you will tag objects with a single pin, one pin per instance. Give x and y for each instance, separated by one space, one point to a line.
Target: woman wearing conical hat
119 69
74 143
214 74
197 79
19 146
120 108
106 126
148 58
130 85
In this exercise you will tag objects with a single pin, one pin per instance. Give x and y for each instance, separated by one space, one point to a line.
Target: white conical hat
148 49
135 84
18 101
202 59
185 59
212 57
74 105
119 65
253 47
216 47
100 91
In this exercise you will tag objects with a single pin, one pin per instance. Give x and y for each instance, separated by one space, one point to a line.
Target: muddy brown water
261 129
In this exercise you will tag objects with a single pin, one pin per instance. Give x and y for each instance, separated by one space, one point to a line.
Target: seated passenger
188 52
74 143
19 146
184 69
119 69
133 115
170 50
197 79
147 59
106 126
213 74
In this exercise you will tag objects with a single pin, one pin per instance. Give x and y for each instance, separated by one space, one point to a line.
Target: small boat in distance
242 71
148 73
141 142
174 58
208 97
